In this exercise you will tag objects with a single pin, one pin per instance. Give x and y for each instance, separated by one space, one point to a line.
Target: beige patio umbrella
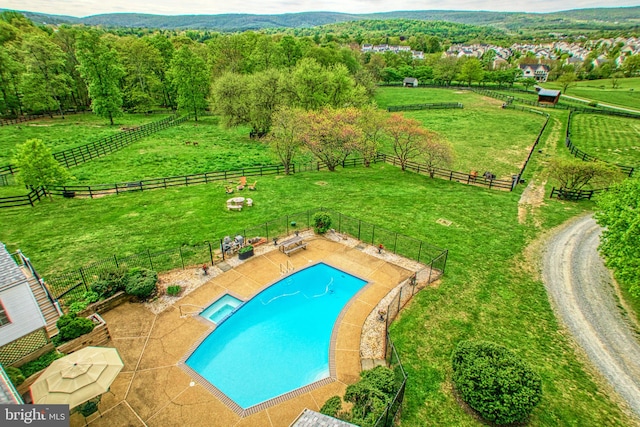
78 377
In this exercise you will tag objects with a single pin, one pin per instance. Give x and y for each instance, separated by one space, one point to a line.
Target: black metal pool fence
75 282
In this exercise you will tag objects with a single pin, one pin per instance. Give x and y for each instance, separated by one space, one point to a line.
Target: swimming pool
279 340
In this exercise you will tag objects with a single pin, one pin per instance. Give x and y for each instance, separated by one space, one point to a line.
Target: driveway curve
581 289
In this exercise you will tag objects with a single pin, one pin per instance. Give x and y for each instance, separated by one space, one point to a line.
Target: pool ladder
191 313
285 268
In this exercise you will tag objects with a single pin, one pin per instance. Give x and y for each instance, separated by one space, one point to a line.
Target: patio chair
249 202
253 186
242 183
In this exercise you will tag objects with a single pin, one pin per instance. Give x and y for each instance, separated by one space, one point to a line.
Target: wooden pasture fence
434 106
84 153
564 194
26 199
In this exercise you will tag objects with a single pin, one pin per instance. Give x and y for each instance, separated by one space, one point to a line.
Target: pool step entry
195 310
286 268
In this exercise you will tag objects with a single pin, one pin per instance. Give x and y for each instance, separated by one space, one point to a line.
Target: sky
81 8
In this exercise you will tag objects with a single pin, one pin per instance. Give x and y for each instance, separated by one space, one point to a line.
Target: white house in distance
28 314
540 72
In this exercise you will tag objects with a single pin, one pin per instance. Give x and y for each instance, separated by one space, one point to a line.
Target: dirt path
583 293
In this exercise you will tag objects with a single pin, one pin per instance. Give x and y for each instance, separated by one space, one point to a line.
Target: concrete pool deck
153 390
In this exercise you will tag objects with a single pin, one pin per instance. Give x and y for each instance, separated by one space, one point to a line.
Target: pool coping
245 412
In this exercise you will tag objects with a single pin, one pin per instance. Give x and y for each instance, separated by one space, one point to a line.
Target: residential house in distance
382 48
28 314
540 72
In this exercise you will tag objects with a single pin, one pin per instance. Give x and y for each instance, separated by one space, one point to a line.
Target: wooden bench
234 207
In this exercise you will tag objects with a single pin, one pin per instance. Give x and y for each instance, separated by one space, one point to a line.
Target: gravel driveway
580 288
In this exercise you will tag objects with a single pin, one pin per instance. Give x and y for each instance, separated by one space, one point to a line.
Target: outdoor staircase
47 308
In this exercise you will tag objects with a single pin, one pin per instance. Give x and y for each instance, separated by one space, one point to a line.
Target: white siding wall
23 311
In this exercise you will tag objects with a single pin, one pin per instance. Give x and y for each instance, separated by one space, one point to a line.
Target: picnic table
291 245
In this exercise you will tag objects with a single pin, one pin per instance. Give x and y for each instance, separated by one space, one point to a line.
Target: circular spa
278 341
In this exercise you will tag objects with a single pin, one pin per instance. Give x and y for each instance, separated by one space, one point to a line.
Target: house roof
10 273
548 92
410 80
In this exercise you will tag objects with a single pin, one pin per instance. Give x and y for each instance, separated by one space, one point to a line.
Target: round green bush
494 382
141 283
321 222
73 327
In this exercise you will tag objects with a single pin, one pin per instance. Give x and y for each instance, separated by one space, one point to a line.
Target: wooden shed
547 96
410 82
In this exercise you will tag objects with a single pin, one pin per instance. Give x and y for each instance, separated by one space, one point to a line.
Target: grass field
490 290
613 139
627 95
485 137
72 131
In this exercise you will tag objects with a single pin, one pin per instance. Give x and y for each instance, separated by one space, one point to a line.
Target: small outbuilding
410 82
548 96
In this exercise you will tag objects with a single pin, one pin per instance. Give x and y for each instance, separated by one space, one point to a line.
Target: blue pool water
279 340
221 308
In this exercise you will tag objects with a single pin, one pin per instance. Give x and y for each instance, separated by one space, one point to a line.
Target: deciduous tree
190 77
619 215
331 134
408 138
471 70
36 165
567 80
286 136
101 69
438 153
372 122
45 83
573 174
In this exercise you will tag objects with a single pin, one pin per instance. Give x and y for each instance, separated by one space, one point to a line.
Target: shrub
78 306
70 326
88 408
332 406
141 282
90 297
15 375
369 396
494 382
321 222
245 249
109 282
40 363
174 290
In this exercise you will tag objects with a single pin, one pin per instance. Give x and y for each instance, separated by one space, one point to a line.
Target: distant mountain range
597 18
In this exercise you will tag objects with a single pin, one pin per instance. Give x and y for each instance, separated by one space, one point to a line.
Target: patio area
154 390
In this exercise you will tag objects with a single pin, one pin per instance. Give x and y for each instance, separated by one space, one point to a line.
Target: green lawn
61 134
627 95
613 139
485 136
